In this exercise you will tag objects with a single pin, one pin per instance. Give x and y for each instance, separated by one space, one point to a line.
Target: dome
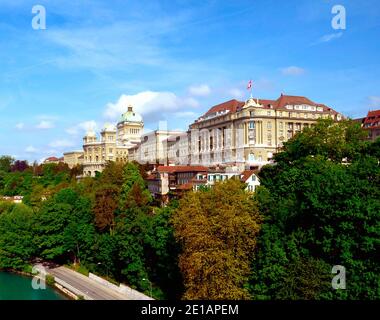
130 116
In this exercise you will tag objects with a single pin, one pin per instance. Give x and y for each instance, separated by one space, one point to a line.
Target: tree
19 165
106 203
317 208
16 237
217 231
134 192
63 227
6 163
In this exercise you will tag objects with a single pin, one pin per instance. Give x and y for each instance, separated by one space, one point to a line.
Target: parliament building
239 134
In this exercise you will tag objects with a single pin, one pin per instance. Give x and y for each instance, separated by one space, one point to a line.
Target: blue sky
173 60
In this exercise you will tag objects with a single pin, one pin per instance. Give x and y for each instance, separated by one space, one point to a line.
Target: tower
129 128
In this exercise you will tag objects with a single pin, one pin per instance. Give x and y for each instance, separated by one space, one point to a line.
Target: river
18 287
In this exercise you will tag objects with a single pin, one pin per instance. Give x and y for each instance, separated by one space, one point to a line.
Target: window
281 125
110 150
269 125
252 114
269 113
251 125
280 114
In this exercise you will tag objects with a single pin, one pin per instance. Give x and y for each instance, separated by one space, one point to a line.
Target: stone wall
123 289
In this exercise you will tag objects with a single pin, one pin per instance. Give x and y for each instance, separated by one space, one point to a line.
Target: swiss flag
249 86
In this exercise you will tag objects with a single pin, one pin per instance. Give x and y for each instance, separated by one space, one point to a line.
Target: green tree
317 208
16 237
64 227
217 230
6 163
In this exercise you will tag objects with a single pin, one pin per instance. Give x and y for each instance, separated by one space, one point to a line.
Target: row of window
291 114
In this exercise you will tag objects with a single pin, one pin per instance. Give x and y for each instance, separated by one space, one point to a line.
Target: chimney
130 108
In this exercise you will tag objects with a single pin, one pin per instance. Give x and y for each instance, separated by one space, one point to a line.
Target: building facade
73 158
155 147
249 133
235 134
113 144
371 123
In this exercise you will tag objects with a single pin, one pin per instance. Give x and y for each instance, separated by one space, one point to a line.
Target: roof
172 169
186 186
246 174
231 105
130 116
52 159
151 177
281 102
372 120
372 116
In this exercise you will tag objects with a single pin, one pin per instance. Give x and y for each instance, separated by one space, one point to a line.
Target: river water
18 287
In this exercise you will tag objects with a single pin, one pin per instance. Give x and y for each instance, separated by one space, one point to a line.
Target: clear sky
173 60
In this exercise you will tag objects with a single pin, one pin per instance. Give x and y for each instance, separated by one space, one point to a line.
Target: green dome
130 116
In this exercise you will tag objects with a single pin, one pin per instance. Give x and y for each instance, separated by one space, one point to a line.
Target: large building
154 147
249 133
238 134
113 144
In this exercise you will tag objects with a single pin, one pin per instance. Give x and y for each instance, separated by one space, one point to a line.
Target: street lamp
143 279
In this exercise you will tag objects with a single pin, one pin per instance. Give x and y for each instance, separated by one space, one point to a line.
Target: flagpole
251 89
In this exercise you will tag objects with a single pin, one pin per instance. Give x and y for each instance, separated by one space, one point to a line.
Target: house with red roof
371 123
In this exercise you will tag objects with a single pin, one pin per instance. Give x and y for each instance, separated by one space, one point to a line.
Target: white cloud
292 71
61 143
236 93
20 126
149 104
191 102
45 124
328 38
200 90
31 149
186 114
374 101
83 126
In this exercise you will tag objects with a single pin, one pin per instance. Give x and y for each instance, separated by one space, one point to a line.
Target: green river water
18 287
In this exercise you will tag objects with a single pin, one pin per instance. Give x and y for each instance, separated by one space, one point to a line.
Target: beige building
235 134
249 133
113 144
154 146
73 158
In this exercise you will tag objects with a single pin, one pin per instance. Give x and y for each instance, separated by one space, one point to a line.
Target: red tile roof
52 159
172 169
246 174
284 100
372 116
372 121
231 105
281 102
186 186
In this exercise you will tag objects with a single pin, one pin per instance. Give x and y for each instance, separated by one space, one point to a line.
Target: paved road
86 285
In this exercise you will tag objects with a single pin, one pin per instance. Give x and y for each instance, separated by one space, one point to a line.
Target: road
86 285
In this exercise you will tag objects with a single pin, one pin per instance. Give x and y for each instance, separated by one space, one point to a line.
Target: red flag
249 86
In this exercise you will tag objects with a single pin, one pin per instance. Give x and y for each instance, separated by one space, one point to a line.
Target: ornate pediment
252 103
